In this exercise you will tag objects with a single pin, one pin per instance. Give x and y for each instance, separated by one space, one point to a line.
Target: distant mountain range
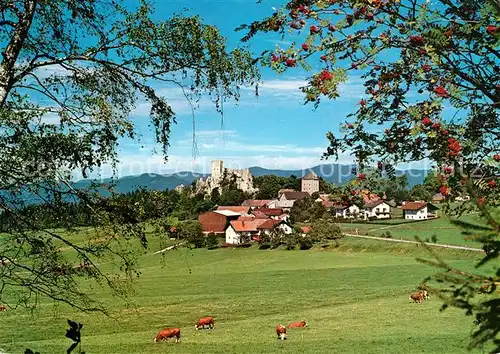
334 173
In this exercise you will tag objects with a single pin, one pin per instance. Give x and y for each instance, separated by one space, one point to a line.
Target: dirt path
464 248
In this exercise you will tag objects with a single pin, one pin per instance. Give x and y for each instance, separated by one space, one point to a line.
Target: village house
339 210
287 199
438 198
310 183
242 210
378 209
352 211
242 231
216 221
271 224
419 210
258 203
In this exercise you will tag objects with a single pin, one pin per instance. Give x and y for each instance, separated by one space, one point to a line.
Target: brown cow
281 331
417 297
3 308
300 324
205 321
167 333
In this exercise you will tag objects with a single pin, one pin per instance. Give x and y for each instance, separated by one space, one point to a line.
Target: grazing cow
300 324
3 308
167 333
205 321
425 294
417 297
281 331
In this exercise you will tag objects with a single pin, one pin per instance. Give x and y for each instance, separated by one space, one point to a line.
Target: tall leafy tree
71 72
432 87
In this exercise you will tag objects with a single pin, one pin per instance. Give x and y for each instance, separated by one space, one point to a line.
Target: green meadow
354 297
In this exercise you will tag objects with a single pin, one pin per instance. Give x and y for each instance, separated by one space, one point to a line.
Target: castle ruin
243 178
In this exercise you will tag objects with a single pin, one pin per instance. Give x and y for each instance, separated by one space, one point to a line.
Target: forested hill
334 173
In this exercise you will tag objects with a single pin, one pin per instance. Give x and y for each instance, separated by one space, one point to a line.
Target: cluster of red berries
440 91
454 147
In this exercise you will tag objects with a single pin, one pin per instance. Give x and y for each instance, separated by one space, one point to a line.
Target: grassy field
445 231
355 299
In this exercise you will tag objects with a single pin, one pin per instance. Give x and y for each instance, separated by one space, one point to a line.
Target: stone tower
310 183
217 169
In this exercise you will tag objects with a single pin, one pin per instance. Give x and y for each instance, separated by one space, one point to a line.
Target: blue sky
274 130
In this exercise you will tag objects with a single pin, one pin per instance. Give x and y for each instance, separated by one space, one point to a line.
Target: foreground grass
355 299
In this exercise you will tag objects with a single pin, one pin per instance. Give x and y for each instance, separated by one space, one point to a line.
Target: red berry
426 67
314 29
444 190
436 126
376 67
305 46
350 126
496 157
491 29
362 103
290 62
323 57
362 176
416 40
440 91
325 75
332 28
354 66
492 184
448 170
426 121
274 58
380 165
480 201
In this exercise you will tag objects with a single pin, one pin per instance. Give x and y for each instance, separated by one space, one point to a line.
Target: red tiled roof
295 195
271 212
269 224
256 203
237 209
328 204
259 215
414 205
246 226
246 218
305 229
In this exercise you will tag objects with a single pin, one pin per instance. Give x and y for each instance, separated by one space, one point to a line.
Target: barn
216 221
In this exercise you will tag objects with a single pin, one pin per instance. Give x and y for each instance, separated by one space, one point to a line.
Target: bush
434 238
305 243
386 234
264 245
243 245
291 241
212 241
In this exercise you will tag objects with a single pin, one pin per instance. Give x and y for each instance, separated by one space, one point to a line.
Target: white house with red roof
416 210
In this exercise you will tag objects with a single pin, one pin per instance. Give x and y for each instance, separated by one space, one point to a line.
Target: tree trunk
14 47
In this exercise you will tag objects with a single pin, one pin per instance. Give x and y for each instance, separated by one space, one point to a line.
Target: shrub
434 238
212 241
305 243
264 245
291 241
243 245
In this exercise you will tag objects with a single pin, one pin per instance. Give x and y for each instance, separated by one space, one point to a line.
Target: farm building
259 203
273 213
438 198
287 199
417 210
242 209
270 224
242 231
216 221
378 209
353 211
